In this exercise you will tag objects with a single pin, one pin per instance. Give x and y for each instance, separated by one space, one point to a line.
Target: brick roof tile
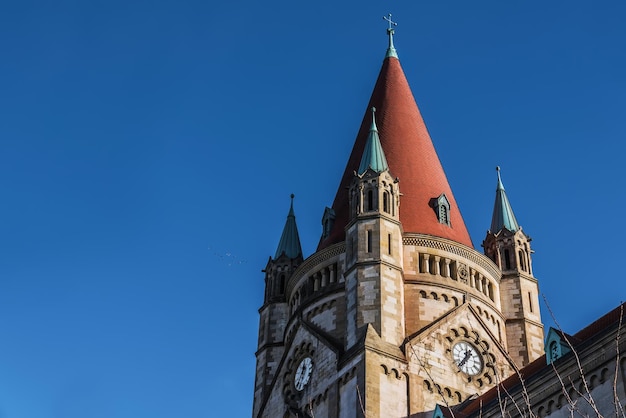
411 157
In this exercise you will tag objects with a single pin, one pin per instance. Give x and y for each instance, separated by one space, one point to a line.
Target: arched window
442 209
386 201
443 214
554 350
507 259
370 200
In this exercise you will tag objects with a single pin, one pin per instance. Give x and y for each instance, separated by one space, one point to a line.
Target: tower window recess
389 243
328 220
369 241
442 209
522 260
370 200
349 249
386 202
507 259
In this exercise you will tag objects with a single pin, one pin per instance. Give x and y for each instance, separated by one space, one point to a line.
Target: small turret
275 311
503 216
373 189
373 155
288 256
374 245
509 247
506 244
289 243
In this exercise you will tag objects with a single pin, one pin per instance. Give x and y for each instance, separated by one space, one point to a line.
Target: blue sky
148 151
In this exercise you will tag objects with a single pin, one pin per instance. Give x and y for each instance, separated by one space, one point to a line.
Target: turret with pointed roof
373 155
509 247
499 246
289 243
503 216
374 246
275 311
411 158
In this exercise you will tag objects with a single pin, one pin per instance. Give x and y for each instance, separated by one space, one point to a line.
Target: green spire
391 50
503 216
373 155
290 240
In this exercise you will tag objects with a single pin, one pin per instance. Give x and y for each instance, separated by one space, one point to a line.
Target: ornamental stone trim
314 262
429 241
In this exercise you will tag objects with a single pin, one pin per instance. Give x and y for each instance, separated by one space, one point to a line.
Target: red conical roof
411 157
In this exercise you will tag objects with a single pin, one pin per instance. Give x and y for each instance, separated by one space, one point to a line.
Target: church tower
509 247
395 313
274 312
373 268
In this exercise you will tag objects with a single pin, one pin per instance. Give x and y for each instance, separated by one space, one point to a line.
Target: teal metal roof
503 216
290 239
373 155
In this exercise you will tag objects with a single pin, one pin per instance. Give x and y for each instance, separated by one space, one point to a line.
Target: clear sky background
148 150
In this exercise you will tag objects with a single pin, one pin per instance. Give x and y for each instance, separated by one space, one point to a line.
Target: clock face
303 373
467 358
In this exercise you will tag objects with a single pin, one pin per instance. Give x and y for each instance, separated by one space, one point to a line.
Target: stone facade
394 321
585 378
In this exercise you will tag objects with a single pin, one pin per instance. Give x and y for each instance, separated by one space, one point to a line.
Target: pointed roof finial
391 50
290 239
373 126
503 216
373 155
291 208
500 185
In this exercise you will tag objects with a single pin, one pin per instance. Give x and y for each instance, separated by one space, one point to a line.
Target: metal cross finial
391 22
391 51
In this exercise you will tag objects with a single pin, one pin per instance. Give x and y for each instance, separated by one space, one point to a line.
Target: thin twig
589 399
618 405
570 401
502 407
423 366
358 392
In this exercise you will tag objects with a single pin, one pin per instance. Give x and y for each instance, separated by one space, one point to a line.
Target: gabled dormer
556 345
442 412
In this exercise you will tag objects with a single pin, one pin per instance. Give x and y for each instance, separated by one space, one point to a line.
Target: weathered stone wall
431 361
520 307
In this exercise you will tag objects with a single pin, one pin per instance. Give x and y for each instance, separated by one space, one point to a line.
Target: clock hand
468 354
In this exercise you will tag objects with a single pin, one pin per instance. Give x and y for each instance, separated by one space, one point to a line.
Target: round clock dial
303 373
467 358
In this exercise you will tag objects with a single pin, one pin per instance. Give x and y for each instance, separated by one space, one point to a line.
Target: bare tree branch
618 405
588 398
